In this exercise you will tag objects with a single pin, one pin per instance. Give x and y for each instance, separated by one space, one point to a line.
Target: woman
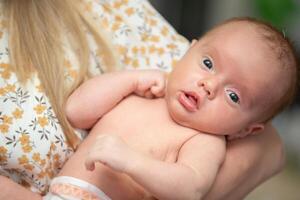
48 47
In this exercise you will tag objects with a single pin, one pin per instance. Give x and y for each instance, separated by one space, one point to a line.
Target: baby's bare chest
146 126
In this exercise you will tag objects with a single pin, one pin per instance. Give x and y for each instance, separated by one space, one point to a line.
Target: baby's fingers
90 161
158 90
89 164
148 94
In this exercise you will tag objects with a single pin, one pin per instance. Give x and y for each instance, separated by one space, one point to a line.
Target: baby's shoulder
209 138
206 142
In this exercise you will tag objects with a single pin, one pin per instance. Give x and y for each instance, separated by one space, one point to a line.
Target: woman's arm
13 191
249 162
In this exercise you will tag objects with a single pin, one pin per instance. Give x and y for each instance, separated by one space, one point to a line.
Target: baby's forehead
245 35
263 33
233 29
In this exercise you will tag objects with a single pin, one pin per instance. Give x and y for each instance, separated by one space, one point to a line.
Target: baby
230 82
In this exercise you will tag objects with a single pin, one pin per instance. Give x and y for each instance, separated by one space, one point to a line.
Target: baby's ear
250 130
194 41
254 128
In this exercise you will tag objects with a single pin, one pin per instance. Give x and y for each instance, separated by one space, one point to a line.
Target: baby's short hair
286 54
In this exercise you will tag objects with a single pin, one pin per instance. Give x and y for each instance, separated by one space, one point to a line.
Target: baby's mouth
189 100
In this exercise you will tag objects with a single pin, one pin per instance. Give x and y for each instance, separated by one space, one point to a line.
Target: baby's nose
210 86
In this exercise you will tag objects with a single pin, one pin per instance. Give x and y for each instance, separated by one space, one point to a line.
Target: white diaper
70 188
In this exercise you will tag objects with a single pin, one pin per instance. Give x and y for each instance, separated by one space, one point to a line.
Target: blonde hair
36 29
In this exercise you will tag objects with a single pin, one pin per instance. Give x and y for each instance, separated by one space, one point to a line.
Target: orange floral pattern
33 147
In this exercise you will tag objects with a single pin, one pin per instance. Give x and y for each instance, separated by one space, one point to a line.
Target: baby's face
223 82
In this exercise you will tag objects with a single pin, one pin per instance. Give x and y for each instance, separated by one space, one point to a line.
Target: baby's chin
181 120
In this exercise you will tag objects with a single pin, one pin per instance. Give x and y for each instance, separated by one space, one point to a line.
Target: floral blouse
33 147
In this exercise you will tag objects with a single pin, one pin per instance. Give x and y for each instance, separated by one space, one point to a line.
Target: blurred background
192 18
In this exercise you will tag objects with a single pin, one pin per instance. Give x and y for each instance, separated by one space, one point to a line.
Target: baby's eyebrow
210 49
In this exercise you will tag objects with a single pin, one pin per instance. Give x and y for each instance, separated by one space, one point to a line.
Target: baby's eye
234 97
207 63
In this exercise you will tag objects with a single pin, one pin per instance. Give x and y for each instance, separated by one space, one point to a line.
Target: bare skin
144 131
161 144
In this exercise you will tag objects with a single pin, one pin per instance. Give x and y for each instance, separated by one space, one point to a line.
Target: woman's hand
249 162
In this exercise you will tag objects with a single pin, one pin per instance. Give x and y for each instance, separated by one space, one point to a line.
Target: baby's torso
146 126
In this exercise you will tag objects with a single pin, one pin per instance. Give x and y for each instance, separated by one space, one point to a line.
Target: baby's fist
150 83
109 150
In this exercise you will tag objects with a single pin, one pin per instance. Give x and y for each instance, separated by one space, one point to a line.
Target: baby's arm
190 177
100 94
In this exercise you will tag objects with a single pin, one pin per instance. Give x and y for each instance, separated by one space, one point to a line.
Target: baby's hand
109 150
150 83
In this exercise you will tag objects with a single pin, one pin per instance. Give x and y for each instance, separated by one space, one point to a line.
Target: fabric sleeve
142 37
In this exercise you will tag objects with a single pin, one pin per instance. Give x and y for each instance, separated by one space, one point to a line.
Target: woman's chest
32 145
